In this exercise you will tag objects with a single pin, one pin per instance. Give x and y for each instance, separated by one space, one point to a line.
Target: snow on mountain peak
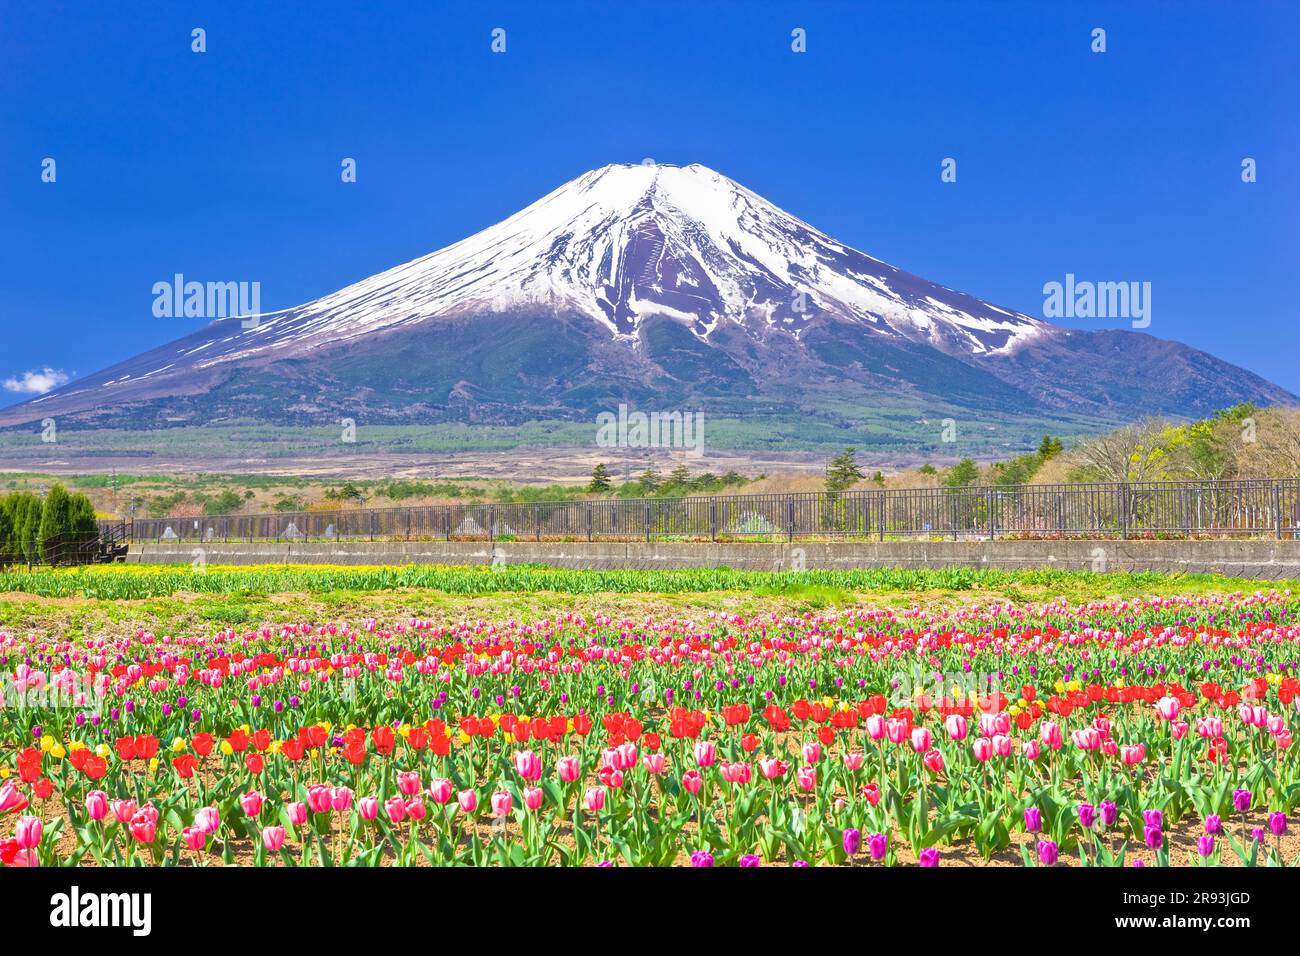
628 241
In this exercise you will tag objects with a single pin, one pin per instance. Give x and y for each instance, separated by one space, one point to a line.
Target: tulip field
1116 732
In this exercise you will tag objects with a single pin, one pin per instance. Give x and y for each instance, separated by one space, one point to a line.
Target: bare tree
1270 448
1135 452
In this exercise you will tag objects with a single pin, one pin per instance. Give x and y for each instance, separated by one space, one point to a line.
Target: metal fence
1139 509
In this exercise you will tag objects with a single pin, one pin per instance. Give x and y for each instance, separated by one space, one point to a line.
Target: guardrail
1136 509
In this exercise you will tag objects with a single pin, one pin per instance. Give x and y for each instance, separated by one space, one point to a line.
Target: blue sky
225 165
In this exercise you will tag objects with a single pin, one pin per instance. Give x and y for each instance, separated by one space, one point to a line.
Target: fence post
408 524
789 517
1277 508
537 521
993 526
492 524
880 514
372 525
591 507
1123 510
647 523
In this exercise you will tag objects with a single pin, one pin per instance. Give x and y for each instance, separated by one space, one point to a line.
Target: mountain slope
654 284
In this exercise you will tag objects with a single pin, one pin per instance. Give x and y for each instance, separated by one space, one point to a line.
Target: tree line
32 527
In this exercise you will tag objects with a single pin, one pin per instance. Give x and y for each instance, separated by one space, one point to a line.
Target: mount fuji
662 286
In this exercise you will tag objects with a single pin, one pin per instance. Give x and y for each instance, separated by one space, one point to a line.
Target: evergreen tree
843 471
8 539
56 519
1049 447
650 479
82 522
599 480
965 472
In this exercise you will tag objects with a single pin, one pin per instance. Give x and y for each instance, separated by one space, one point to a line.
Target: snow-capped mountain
634 281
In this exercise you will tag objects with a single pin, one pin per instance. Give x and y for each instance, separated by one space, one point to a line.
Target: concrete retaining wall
1270 559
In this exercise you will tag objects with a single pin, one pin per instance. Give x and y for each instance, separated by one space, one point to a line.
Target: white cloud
36 381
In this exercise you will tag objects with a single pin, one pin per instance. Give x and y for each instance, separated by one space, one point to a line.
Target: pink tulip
875 726
955 725
28 833
408 782
273 838
1030 749
395 808
341 799
655 762
440 790
1002 745
144 826
319 798
1132 753
982 748
921 739
97 805
207 819
596 798
626 756
415 809
467 800
1168 707
806 778
123 810
896 730
771 768
1087 738
734 772
195 838
1211 726
297 813
532 797
812 752
1178 728
570 769
853 759
933 761
692 781
1050 734
251 802
11 798
502 802
706 752
528 765
1275 724
368 808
